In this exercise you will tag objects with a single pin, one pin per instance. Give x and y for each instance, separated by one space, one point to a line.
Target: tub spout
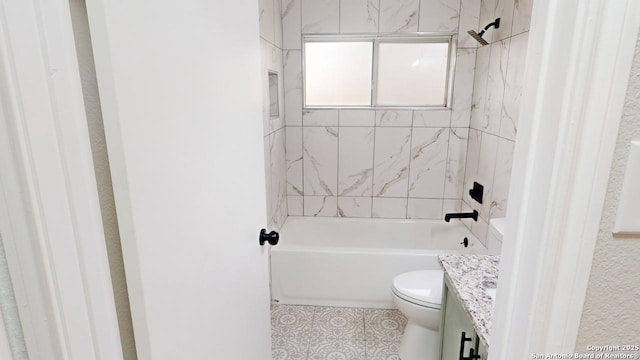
473 215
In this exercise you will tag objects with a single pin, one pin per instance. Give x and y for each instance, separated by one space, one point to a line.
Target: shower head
478 36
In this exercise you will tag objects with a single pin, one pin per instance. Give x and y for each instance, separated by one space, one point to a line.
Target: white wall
611 308
496 103
365 163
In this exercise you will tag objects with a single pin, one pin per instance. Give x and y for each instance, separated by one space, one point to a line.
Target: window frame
376 40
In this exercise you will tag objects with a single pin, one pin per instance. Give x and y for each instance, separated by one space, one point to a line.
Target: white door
180 89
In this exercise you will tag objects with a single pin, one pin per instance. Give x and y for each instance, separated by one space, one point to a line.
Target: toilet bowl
418 296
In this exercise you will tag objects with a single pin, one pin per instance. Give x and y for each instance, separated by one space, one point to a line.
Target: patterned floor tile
338 323
291 320
289 348
384 325
382 350
336 349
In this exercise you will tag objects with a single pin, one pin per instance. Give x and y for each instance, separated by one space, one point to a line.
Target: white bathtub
351 262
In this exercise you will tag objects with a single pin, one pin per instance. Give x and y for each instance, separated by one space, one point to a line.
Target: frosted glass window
412 74
338 73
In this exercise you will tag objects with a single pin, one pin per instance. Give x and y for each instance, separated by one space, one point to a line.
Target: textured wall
274 130
103 175
366 163
496 102
611 308
9 317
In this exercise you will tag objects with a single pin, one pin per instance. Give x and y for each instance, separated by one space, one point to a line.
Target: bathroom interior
359 186
388 129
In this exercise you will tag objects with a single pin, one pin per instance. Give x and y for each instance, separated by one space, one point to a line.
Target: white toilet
418 295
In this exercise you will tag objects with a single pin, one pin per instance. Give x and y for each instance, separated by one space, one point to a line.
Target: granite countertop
466 274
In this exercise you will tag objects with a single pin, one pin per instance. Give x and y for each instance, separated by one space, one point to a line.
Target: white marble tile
267 28
295 205
295 184
504 11
278 191
291 28
451 206
494 245
281 215
320 117
359 16
320 206
389 208
267 173
466 208
469 20
456 160
495 86
277 23
480 81
278 122
292 60
428 162
424 209
431 118
320 16
357 117
320 161
513 86
399 15
463 88
521 16
359 207
355 161
487 12
501 179
265 50
471 168
439 15
391 161
480 229
393 117
486 169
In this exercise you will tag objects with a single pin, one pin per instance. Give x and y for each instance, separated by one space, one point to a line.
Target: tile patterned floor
328 333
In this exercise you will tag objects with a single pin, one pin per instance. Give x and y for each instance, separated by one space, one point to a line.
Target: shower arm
495 23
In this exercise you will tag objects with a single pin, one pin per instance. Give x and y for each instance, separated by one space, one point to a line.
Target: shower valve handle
272 237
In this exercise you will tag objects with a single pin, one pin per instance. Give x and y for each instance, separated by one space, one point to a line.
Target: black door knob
272 237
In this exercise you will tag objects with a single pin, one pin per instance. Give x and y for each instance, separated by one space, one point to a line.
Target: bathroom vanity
468 297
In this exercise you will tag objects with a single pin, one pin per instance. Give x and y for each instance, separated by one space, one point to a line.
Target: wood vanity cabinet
457 334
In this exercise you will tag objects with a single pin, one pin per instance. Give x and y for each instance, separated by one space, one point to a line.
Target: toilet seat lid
423 287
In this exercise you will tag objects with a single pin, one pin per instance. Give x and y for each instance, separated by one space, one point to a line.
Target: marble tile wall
494 114
274 130
367 163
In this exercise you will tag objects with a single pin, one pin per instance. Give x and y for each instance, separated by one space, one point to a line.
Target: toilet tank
496 232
